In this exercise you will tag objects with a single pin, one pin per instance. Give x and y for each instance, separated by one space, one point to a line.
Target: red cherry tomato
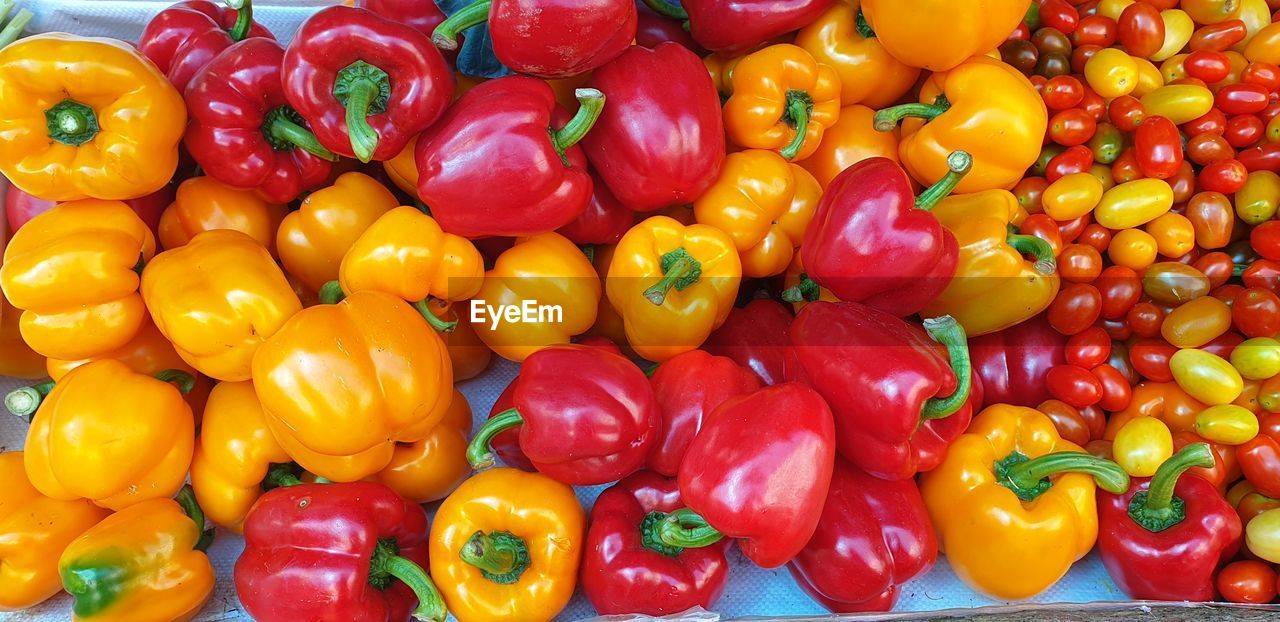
1256 312
1120 288
1212 122
1158 147
1241 98
1072 126
1264 157
1265 238
1116 392
1145 319
1125 168
1223 344
1141 29
1075 308
1075 159
1150 358
1216 266
1089 348
1059 14
1074 385
1126 113
1098 30
1208 65
1225 176
1220 36
1062 92
1079 263
1208 147
1247 581
1263 74
1244 130
1097 236
1262 273
1043 227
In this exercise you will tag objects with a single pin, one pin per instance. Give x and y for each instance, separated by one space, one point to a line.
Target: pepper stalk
1029 478
1157 508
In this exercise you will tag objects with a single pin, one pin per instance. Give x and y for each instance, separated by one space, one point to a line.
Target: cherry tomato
1053 64
1126 112
1208 65
1150 358
1174 234
1106 143
1125 169
1093 104
1265 157
1079 263
1074 385
1262 74
1173 283
1111 72
1262 273
1256 359
1212 122
1208 147
1069 230
1081 55
1183 183
1121 289
1142 445
1217 267
1196 323
1247 581
1047 153
1218 37
1140 29
1059 14
1225 176
1043 227
1241 98
1212 217
1071 127
1062 93
1067 419
1088 348
1076 159
1021 55
1158 147
1029 191
1256 312
1244 130
1116 392
1098 30
1118 330
1265 239
1132 248
1075 308
1097 236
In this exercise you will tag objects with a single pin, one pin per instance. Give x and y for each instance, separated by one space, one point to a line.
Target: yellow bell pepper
995 286
312 241
939 34
782 99
72 272
799 289
1206 376
35 531
851 140
86 118
764 203
17 359
403 169
842 40
540 292
506 545
609 324
205 204
467 353
1014 504
429 469
673 284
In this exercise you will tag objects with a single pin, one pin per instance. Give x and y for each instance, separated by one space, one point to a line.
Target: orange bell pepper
782 99
940 34
429 469
869 74
851 140
609 324
312 240
403 169
342 384
204 204
218 299
467 353
72 272
799 289
17 359
1165 401
764 203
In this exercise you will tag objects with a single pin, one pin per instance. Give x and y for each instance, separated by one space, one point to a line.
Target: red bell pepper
1166 537
873 241
20 207
661 140
547 38
626 569
653 28
756 337
421 16
733 26
604 221
587 416
184 38
688 388
1260 456
1013 363
898 400
335 552
366 84
505 161
244 134
759 472
874 535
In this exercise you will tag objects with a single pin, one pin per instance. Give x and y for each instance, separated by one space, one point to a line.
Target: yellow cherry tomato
1256 15
1113 8
1102 173
1174 68
1179 102
1196 322
1149 77
1265 45
1257 358
1175 235
1262 535
1142 445
1072 196
1256 202
1133 204
1228 424
1132 248
1178 27
1206 377
1111 73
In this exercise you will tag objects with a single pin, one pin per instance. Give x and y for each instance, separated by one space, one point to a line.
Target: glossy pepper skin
673 284
204 203
587 416
429 469
145 562
626 570
217 299
874 536
1009 524
781 99
687 389
507 544
185 37
841 39
755 336
995 286
353 551
422 16
36 529
872 241
364 83
341 384
17 359
504 160
898 401
86 118
313 240
548 38
604 221
1166 537
731 26
72 272
660 141
938 35
1012 363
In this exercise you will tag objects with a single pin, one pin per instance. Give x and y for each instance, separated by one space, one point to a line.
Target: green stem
331 293
501 556
26 401
679 270
285 133
804 290
13 30
668 10
364 90
592 102
438 324
863 28
187 499
71 123
651 370
387 563
799 107
181 379
478 452
244 18
959 163
1029 478
1040 249
948 332
685 529
887 119
1157 508
445 35
280 476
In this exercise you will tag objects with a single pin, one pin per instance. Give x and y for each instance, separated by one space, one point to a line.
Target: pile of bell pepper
849 285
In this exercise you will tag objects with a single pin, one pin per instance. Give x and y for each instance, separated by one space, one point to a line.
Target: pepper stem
1032 245
364 90
387 562
805 290
26 401
445 36
667 9
435 322
280 476
244 18
478 452
71 123
13 30
959 164
592 102
181 379
284 131
948 332
331 293
861 25
501 556
887 119
1029 478
187 499
1157 508
685 529
799 107
679 270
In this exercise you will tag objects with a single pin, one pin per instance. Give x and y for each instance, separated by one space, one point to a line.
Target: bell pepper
1012 363
995 286
217 299
872 241
755 336
734 26
781 99
983 107
604 221
851 140
515 124
17 359
687 389
660 141
429 469
365 84
898 401
938 35
244 133
85 118
506 444
765 204
421 16
800 289
233 454
673 284
841 39
145 562
1165 537
554 285
352 551
182 39
72 272
874 536
564 438
547 38
507 544
626 570
342 384
1014 504
467 354
21 207
204 204
313 239
37 529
